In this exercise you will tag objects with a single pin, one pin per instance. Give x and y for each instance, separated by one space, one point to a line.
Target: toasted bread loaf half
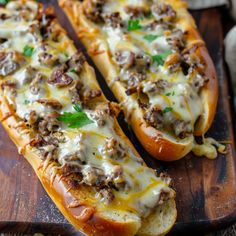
54 111
157 65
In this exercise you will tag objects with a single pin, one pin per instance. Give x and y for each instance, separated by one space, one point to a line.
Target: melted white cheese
144 188
185 104
209 148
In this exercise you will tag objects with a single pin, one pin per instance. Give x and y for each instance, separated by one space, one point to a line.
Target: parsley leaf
64 56
170 94
160 58
28 51
4 2
73 70
150 37
26 102
134 25
75 120
149 15
77 107
167 109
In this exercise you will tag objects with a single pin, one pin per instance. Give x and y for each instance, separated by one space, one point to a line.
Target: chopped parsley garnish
75 120
28 51
66 54
149 15
160 58
73 70
170 94
26 102
4 2
77 107
150 37
134 25
167 109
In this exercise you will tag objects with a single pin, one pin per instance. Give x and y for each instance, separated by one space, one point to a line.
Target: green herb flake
160 58
73 71
150 37
166 54
4 2
64 56
170 94
167 109
75 120
26 102
134 25
77 108
167 94
28 51
149 15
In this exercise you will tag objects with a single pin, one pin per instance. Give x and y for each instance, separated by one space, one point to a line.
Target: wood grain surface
205 189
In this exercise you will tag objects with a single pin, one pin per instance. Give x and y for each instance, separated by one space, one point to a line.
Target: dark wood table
205 189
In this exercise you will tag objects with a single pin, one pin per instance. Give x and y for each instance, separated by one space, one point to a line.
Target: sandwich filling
159 72
57 101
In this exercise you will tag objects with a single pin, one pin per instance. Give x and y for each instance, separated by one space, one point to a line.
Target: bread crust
68 200
77 203
158 144
83 216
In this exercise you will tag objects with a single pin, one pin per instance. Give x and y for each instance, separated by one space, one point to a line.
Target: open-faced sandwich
54 111
152 57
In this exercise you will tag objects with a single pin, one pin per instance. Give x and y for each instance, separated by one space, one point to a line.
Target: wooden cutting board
206 189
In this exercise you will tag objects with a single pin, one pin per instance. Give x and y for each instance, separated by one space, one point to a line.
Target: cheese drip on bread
157 69
72 126
147 41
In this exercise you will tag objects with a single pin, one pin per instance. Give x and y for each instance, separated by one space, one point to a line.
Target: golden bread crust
77 203
158 144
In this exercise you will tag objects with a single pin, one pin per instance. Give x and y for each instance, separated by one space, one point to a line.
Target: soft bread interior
121 216
160 221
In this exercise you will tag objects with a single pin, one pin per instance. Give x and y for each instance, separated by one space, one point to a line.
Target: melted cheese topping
143 190
185 102
209 148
